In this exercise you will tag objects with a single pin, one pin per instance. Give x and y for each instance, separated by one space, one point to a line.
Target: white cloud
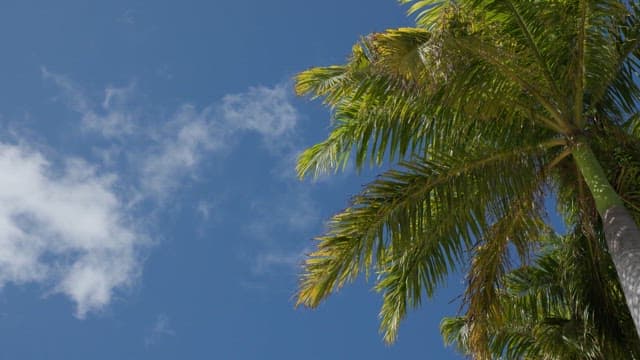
64 229
161 328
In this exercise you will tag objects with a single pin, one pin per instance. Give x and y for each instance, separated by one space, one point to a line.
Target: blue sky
148 203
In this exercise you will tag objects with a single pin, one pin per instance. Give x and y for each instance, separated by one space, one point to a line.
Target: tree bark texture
622 234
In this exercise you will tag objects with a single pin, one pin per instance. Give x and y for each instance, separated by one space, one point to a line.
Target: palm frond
377 100
613 36
411 225
518 230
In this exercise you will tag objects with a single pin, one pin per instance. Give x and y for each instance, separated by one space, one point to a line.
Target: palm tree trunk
621 231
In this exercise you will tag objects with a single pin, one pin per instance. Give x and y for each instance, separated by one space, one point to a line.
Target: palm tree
488 107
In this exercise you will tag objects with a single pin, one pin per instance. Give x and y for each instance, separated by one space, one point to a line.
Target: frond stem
579 76
566 152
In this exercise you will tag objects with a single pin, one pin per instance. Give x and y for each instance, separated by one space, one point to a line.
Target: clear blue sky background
148 204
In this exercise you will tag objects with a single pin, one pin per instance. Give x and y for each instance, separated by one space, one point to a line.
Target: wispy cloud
127 17
294 213
179 148
267 111
64 227
161 328
114 117
71 93
192 135
176 145
268 262
204 209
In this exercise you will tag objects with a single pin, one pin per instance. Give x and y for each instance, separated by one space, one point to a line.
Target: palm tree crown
488 107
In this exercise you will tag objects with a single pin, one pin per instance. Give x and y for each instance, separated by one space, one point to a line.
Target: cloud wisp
112 118
177 150
267 111
271 261
192 135
161 328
